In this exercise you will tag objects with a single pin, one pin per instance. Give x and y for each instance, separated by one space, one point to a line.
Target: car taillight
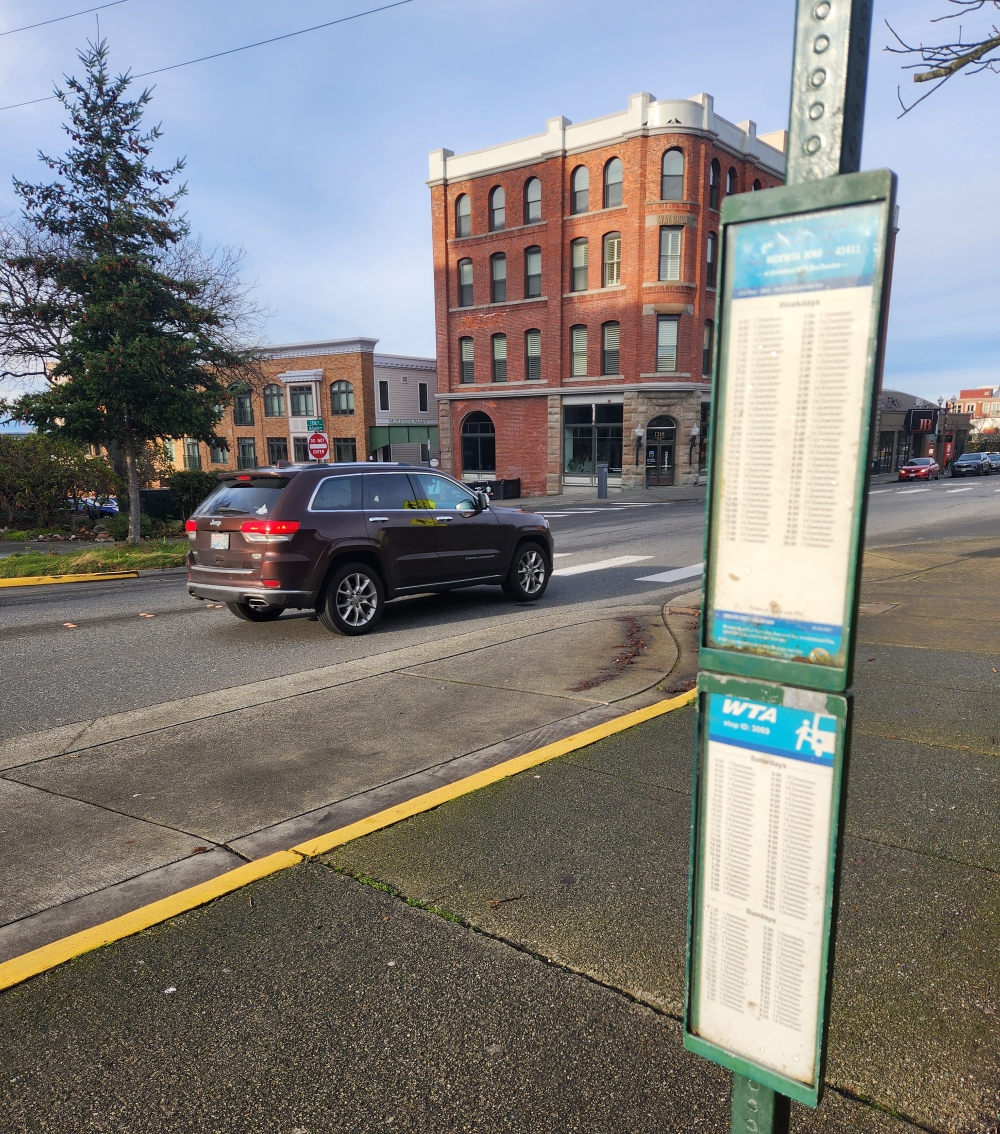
268 531
191 527
270 582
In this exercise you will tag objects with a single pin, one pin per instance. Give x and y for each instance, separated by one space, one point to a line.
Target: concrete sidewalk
514 960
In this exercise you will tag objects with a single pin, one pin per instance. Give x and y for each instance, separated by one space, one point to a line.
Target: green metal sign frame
765 693
836 193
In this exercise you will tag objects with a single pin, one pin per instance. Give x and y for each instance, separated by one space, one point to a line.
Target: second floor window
467 360
613 183
711 259
342 397
578 351
242 406
192 454
532 273
498 278
612 259
670 253
218 454
246 453
610 357
274 401
499 358
730 182
706 348
578 265
533 201
533 355
498 209
302 401
672 176
383 396
714 177
579 190
756 185
422 397
666 343
464 283
463 216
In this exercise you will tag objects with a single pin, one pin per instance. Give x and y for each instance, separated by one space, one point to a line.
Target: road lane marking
969 488
588 512
601 564
562 555
876 491
910 491
675 576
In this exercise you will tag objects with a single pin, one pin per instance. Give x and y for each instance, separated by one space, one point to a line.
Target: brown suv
343 539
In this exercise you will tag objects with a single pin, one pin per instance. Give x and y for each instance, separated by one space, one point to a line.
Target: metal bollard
602 482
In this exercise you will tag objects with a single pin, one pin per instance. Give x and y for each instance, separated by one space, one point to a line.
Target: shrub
190 487
17 535
118 526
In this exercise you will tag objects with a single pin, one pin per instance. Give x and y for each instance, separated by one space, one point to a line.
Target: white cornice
405 362
324 346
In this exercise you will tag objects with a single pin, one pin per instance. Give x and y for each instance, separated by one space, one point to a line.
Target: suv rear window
254 497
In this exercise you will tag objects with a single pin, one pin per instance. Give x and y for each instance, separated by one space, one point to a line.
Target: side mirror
483 501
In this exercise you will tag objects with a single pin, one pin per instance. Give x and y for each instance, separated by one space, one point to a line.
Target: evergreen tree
146 351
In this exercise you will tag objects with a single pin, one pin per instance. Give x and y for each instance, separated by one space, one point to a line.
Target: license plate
220 541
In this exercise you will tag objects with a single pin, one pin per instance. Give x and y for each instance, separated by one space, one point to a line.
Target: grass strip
92 560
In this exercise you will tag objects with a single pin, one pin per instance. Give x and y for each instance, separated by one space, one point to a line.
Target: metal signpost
799 339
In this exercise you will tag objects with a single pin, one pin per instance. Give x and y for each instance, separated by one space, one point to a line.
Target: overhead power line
56 20
234 50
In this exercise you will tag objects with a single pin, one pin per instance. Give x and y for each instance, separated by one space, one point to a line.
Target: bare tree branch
944 60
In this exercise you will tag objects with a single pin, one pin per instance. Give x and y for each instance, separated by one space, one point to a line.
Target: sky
311 154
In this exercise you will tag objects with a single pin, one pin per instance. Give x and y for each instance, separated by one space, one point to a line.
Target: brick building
367 404
982 402
575 284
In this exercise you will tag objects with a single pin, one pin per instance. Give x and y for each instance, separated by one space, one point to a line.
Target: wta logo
753 711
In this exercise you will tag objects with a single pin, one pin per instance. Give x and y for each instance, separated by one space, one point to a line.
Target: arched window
578 265
610 341
711 259
466 360
242 404
498 211
499 358
730 182
463 216
613 183
706 348
274 401
578 351
498 278
612 259
756 185
579 190
479 446
672 176
533 201
342 398
532 272
714 177
532 354
661 428
464 283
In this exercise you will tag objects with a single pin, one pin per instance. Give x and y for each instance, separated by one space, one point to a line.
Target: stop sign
318 446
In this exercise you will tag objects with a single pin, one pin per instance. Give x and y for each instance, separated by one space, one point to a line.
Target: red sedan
920 468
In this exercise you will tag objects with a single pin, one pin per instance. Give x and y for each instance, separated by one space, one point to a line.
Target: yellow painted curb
38 580
48 956
490 776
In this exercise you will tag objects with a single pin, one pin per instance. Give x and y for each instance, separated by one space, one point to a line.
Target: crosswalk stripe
674 576
601 564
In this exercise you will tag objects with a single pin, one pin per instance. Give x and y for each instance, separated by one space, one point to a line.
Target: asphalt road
111 659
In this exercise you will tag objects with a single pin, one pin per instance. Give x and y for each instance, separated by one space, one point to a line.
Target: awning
382 435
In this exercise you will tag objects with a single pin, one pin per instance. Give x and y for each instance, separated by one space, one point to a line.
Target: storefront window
592 435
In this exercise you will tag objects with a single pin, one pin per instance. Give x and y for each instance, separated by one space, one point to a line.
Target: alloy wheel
531 572
357 599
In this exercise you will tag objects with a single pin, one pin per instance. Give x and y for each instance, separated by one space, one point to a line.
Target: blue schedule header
812 252
815 642
775 729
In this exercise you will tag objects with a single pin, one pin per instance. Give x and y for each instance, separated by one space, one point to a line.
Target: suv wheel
528 575
353 601
254 613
